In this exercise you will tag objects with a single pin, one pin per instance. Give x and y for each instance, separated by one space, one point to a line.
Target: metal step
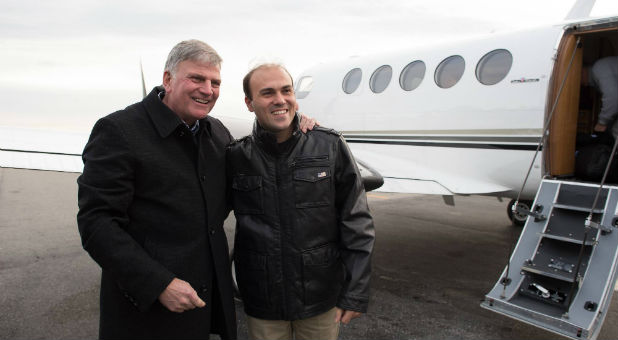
562 273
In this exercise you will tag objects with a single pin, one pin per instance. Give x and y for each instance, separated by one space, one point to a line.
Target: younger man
304 234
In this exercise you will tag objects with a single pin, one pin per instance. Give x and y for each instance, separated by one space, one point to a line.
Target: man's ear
249 105
167 79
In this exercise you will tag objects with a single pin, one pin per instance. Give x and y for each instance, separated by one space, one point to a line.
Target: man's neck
284 135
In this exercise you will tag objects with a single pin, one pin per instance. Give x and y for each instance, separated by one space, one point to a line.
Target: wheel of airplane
519 218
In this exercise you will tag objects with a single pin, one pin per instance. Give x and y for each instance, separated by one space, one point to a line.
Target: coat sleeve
106 189
357 232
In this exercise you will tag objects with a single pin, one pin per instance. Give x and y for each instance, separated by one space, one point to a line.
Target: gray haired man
152 206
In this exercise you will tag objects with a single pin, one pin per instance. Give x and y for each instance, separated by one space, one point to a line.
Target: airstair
562 273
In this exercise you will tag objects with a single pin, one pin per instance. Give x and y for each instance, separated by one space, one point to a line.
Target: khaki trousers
321 326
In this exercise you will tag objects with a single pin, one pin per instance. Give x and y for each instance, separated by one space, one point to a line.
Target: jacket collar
165 120
268 139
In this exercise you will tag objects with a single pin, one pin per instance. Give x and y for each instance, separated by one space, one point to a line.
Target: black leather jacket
304 234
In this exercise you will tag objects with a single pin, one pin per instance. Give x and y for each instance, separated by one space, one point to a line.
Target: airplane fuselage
426 133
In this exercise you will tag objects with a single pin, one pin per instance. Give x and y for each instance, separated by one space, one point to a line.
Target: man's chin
200 114
273 128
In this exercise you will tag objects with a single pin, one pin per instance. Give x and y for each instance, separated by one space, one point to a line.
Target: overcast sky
68 62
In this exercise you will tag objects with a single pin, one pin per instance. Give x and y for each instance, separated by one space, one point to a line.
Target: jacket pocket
322 274
247 194
312 187
252 278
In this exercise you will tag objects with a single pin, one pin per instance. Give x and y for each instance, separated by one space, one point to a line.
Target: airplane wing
41 149
61 151
36 149
423 175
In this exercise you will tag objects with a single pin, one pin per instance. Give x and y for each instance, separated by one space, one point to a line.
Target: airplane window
449 71
352 80
380 78
412 75
494 66
304 86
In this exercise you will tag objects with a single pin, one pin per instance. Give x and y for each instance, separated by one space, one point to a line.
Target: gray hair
191 50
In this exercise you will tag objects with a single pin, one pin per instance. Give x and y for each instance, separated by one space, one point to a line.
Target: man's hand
346 316
179 296
600 128
306 123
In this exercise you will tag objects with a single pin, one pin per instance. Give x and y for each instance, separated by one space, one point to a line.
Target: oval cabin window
412 75
305 84
380 78
494 66
352 80
449 71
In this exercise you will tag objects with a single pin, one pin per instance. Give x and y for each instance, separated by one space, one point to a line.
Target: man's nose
279 99
206 88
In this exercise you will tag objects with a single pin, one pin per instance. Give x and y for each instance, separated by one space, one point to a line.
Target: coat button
212 231
204 289
203 178
181 134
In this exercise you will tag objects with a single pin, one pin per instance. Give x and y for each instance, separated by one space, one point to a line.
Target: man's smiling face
193 89
274 102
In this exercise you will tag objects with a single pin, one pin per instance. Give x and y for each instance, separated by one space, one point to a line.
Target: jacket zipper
309 161
278 166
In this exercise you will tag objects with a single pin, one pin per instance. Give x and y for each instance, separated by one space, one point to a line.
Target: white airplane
497 115
466 117
461 118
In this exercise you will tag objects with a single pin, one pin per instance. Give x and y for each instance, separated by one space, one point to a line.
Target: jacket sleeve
357 232
106 190
228 180
229 141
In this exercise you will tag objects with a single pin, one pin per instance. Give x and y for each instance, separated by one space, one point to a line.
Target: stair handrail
506 280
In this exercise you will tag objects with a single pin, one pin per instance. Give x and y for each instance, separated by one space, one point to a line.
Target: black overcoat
151 208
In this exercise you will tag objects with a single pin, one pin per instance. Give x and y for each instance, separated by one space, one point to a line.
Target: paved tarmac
432 266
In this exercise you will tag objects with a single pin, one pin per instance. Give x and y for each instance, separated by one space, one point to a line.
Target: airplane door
562 273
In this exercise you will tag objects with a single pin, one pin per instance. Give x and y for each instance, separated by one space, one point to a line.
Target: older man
151 207
151 210
304 234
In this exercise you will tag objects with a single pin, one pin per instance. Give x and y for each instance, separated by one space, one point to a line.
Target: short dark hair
245 81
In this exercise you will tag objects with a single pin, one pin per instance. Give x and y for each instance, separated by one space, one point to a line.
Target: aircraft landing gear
518 218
